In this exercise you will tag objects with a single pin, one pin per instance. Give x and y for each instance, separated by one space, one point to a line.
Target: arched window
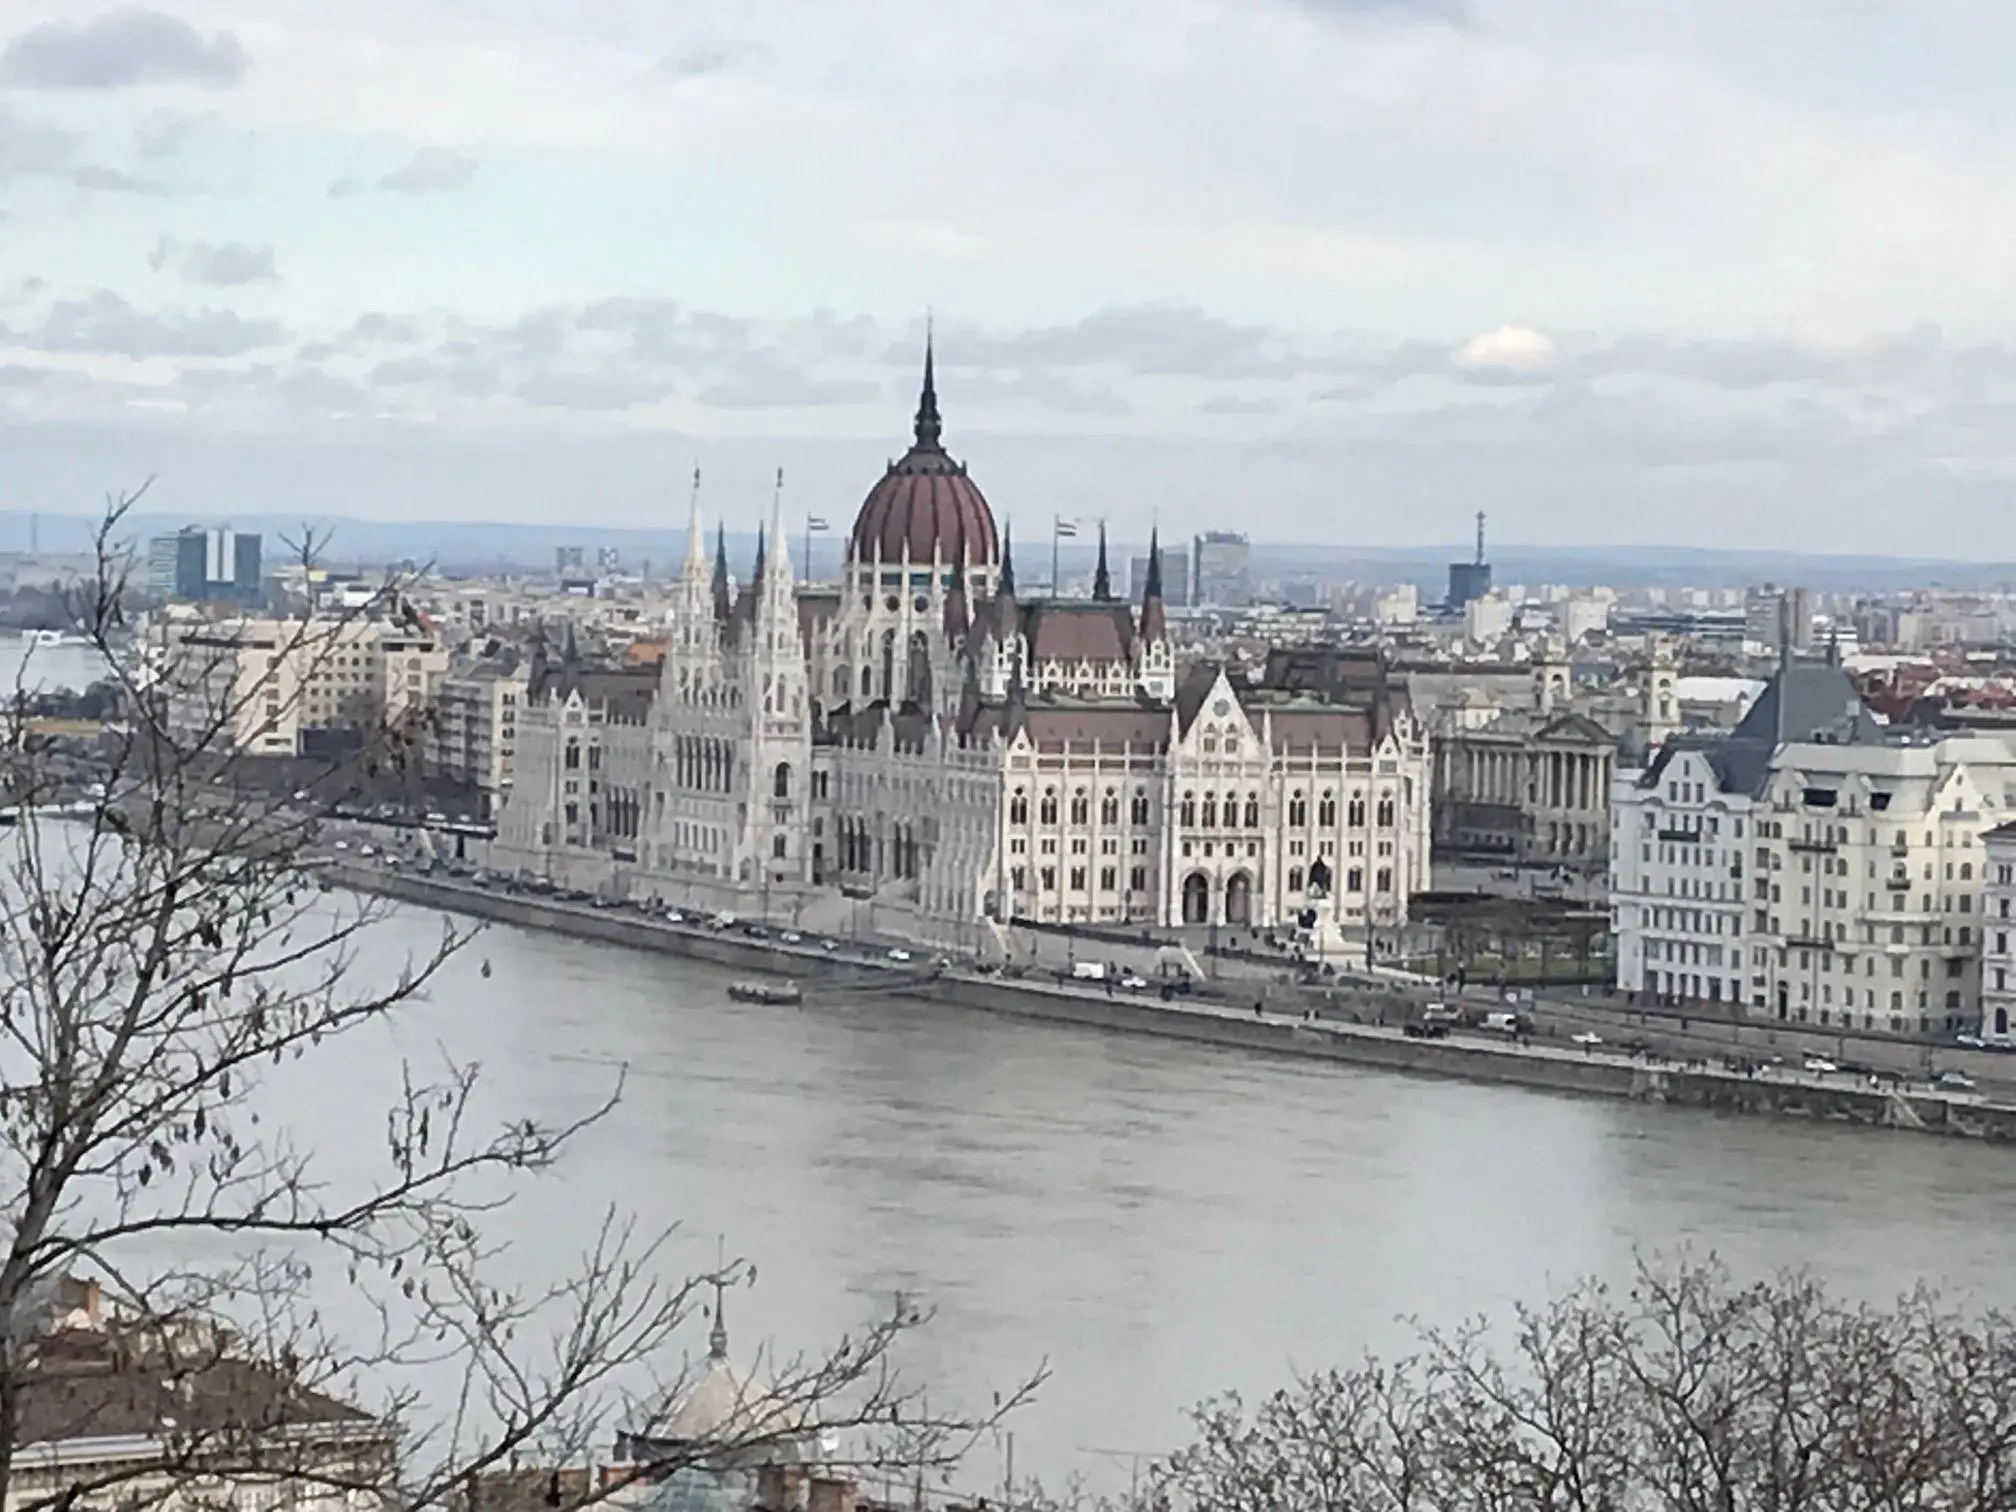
1140 807
1188 810
1109 807
1049 809
780 786
1252 811
1385 811
1326 810
1081 807
1018 807
1196 899
1239 899
1210 816
1298 809
839 682
1294 879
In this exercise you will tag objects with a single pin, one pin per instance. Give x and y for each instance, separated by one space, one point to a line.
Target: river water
1158 1221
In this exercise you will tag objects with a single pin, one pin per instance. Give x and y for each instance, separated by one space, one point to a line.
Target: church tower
778 712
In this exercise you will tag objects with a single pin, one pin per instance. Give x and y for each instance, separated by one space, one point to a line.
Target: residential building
264 683
181 1417
473 737
1811 864
1998 934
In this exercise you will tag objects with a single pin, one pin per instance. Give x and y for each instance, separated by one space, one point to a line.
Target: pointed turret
762 542
958 618
1007 617
722 602
696 549
1102 579
1154 619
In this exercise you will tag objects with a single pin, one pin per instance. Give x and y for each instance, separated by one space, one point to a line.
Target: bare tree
1688 1392
163 946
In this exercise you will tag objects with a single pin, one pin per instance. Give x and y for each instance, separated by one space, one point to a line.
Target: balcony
1680 836
1818 847
1805 940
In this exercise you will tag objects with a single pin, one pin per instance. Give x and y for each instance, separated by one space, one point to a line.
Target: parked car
1970 1041
1953 1081
1820 1064
899 954
1588 1039
673 916
1133 983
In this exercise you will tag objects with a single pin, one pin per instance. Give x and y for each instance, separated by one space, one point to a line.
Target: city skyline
1376 273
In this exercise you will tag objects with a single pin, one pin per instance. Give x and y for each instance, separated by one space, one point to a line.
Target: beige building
473 736
265 683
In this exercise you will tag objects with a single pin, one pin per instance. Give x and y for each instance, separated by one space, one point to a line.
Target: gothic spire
696 548
761 543
1102 580
928 425
721 600
1007 588
1154 619
957 620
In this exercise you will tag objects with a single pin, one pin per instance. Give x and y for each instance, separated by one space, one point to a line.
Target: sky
1701 272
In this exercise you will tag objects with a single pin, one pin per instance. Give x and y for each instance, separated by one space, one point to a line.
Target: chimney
832 1495
774 1488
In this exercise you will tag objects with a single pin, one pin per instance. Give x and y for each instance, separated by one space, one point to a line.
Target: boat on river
780 994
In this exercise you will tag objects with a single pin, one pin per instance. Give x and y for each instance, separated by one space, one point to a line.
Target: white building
1810 866
924 740
1998 933
473 737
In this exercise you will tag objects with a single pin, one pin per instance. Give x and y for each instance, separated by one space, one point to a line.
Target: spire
721 602
1008 560
1102 580
957 620
928 426
717 1336
1154 620
696 550
761 545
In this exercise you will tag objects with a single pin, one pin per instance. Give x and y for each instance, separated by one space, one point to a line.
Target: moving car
1953 1081
1820 1064
1588 1038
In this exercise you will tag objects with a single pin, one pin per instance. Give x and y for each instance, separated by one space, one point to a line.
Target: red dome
925 508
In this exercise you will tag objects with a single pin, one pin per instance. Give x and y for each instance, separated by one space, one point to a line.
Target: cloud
1240 404
699 62
431 170
113 180
121 49
762 381
104 323
1453 12
1510 354
229 264
29 147
1160 340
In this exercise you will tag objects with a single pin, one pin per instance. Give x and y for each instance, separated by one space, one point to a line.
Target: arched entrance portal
1196 899
1239 899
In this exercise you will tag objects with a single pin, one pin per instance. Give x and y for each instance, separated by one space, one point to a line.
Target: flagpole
808 546
1056 530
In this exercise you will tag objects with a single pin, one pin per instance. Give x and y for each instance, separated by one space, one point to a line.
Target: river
1160 1221
46 669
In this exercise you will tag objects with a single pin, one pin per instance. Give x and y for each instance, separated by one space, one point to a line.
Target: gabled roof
1805 701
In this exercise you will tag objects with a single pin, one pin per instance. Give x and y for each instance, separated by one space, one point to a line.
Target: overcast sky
1699 271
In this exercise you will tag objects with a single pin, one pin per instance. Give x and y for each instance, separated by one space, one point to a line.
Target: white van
1088 971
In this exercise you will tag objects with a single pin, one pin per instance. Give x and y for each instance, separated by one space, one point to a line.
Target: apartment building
1812 867
263 683
1998 933
473 737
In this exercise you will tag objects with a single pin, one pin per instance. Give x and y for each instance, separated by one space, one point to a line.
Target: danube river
1160 1221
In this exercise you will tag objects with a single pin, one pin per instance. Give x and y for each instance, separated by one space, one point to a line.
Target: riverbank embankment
1587 1071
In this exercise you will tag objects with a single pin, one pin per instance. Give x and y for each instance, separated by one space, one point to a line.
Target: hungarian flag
1067 527
815 523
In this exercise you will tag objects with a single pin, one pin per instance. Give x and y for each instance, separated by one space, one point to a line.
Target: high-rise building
199 566
1472 579
567 559
1220 570
1175 577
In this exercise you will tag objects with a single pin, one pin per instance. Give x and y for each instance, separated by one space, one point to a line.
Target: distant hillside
478 548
